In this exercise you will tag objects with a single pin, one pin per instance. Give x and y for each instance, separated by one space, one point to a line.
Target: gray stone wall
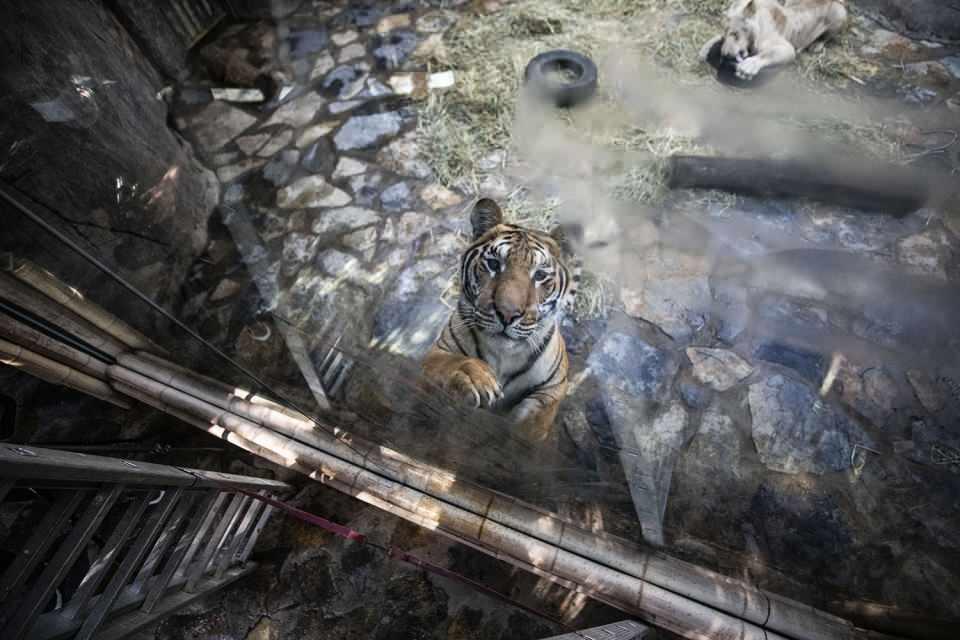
86 143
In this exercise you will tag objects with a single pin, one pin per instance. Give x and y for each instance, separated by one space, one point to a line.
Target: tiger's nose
508 315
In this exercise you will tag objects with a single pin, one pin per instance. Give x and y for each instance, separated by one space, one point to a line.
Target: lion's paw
749 68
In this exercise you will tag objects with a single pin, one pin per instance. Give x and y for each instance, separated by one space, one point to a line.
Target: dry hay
489 53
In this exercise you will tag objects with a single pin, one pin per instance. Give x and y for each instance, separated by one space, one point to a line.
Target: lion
763 33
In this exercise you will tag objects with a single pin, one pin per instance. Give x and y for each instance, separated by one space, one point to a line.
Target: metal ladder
626 630
106 546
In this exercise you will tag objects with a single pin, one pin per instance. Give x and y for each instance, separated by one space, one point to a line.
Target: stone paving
328 176
703 378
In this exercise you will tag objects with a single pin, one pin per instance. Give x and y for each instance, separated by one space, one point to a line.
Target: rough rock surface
365 131
795 432
312 191
219 123
631 365
298 112
718 368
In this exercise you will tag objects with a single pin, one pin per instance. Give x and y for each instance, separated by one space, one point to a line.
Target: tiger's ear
567 236
486 215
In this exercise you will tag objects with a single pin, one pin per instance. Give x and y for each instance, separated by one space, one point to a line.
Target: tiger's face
514 280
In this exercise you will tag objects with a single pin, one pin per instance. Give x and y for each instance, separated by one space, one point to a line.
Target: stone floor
697 407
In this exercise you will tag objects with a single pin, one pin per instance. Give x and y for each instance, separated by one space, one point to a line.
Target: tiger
501 349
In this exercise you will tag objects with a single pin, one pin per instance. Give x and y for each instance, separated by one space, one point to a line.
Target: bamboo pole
57 373
26 297
667 609
164 368
50 286
500 512
212 428
722 592
716 590
24 336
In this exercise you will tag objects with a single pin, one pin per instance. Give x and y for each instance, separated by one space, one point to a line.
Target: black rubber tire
568 94
727 70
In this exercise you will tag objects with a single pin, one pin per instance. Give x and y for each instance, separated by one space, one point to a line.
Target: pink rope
397 554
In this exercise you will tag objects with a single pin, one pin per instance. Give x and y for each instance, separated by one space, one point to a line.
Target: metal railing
626 630
193 19
107 546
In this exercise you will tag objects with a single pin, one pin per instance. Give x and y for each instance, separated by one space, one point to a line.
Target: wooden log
865 185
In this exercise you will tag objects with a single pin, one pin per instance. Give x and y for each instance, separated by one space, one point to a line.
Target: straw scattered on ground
489 53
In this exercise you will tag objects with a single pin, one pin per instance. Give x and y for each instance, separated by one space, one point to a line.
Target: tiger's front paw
474 383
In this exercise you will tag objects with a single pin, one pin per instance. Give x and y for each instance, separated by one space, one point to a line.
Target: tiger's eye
540 275
492 264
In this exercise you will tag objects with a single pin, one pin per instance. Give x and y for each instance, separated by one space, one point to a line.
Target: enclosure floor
696 405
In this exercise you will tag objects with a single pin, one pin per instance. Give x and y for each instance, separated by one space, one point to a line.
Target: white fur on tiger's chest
504 355
516 365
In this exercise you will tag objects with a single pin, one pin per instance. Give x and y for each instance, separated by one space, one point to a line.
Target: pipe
24 296
667 609
56 373
212 428
727 594
48 284
21 334
144 359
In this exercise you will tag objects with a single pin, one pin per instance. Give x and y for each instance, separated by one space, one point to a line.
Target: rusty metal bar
255 534
5 488
239 536
37 463
134 557
62 561
98 570
216 541
205 506
166 538
36 548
